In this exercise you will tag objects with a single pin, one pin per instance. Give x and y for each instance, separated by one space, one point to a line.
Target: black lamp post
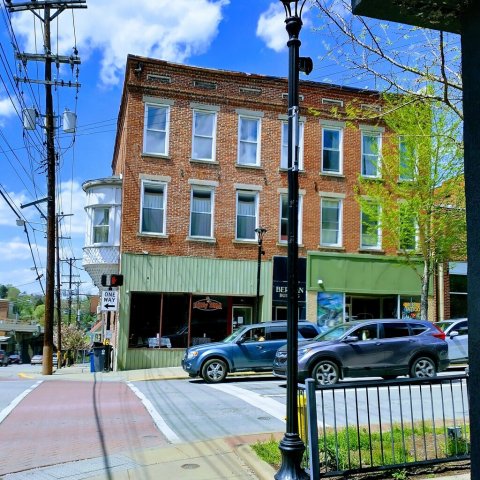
260 231
292 446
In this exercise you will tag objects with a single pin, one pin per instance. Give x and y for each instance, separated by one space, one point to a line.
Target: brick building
199 163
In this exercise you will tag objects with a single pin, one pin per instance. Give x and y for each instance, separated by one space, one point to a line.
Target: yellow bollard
302 416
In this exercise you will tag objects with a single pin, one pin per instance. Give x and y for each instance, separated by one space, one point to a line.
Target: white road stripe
157 418
273 408
6 411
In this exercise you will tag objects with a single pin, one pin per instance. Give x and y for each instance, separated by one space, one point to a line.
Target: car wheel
214 371
423 367
326 372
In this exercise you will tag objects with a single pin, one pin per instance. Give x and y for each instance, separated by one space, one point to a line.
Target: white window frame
414 226
211 191
100 226
284 194
166 107
213 136
151 183
340 149
378 234
284 144
255 195
245 117
339 235
374 134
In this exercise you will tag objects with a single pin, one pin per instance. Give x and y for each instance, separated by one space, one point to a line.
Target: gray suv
370 348
250 348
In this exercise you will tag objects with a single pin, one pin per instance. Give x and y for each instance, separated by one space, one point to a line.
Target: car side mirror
453 333
350 339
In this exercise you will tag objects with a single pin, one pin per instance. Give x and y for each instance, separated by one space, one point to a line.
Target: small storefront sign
207 305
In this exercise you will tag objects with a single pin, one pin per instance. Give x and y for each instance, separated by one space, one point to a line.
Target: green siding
363 274
150 273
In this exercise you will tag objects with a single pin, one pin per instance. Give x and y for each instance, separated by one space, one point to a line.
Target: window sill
285 244
245 242
156 155
331 248
201 239
332 174
151 235
204 162
373 251
285 170
253 167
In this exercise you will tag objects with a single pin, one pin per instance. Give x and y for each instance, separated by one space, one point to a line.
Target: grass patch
351 449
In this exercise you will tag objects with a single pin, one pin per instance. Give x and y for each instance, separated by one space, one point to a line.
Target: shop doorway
241 315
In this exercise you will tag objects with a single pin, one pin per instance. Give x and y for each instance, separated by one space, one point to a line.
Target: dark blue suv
250 348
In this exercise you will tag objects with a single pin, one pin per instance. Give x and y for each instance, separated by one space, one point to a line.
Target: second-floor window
153 208
407 161
247 213
331 222
155 139
284 153
203 142
408 230
248 141
283 237
332 150
101 226
201 215
371 148
371 237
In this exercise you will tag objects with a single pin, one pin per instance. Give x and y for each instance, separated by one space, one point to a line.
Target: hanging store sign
207 305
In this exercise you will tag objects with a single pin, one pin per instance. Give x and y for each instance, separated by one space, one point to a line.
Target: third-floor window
371 149
157 119
203 135
248 140
331 150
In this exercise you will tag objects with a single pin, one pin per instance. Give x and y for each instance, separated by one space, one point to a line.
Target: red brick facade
228 92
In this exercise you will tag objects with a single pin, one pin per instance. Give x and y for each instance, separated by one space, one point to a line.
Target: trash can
97 359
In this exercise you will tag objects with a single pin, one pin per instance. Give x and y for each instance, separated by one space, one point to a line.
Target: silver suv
251 347
370 348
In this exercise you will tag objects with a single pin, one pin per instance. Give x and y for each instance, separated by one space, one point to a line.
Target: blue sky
240 35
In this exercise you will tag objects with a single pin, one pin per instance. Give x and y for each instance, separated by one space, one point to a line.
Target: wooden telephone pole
51 9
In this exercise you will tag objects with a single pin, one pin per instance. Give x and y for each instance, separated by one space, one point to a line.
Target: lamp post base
292 448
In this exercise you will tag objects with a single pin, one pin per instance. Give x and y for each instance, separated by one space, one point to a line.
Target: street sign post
109 301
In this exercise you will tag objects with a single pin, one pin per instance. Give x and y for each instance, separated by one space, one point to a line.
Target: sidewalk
226 458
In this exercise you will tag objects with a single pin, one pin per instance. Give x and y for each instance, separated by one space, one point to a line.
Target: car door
398 346
254 350
458 342
364 356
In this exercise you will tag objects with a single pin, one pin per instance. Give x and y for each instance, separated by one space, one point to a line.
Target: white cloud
271 27
163 29
15 250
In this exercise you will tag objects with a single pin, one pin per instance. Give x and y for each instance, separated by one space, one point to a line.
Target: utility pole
48 58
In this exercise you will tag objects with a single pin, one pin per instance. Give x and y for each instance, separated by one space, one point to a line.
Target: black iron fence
372 426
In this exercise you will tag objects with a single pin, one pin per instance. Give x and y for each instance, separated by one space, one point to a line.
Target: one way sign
109 300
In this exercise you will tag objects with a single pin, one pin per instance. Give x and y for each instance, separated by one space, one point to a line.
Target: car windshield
334 333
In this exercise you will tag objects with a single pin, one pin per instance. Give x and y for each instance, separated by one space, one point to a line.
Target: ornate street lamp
292 446
260 231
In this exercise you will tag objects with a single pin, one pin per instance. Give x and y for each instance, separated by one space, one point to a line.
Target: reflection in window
203 144
249 141
156 129
331 151
371 154
153 209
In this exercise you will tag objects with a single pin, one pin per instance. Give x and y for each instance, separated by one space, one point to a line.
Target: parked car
36 360
3 358
14 358
370 348
251 347
456 332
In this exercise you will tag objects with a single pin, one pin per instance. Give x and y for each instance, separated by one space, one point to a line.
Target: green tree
419 199
3 291
13 292
39 313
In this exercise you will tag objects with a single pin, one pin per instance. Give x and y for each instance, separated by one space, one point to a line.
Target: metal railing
383 425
